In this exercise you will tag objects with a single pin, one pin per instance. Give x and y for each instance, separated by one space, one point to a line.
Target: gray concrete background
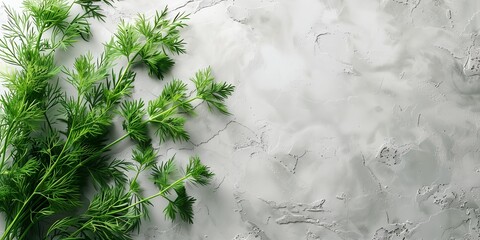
351 119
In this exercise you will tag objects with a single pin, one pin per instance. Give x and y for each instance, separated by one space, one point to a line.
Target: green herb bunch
55 144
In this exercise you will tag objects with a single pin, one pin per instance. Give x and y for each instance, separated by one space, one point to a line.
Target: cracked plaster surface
350 120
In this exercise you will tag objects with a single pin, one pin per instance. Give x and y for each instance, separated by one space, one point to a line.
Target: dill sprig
54 144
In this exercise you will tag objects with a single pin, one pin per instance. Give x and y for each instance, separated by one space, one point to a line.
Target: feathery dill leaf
93 8
214 94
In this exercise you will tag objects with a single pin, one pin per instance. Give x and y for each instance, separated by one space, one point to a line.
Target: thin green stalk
136 175
111 145
16 218
48 121
130 62
79 230
72 170
161 193
5 145
153 117
40 34
26 231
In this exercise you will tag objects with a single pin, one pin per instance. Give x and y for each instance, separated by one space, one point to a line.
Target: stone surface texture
351 119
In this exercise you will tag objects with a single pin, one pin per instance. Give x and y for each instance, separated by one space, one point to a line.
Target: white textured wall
352 119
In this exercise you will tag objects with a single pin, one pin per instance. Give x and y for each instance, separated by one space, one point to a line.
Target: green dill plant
55 144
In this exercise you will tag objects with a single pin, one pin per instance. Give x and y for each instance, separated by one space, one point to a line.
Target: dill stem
5 145
92 156
78 231
15 219
153 117
136 175
110 145
40 34
48 121
160 193
27 229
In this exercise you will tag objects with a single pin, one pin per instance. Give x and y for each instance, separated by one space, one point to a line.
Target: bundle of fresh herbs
55 143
